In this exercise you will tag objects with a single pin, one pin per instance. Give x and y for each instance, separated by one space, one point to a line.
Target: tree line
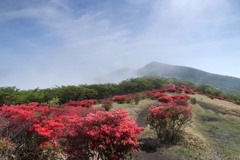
62 94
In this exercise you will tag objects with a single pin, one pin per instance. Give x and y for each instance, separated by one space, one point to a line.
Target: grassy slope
134 109
219 122
214 132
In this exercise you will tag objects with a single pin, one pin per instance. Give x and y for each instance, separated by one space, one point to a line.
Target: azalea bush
82 103
180 99
168 118
165 99
186 89
152 93
36 131
18 124
120 99
169 88
129 98
176 99
160 94
104 135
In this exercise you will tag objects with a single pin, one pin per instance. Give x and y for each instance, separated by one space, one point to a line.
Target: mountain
225 83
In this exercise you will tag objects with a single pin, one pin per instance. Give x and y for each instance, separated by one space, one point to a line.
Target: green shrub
193 101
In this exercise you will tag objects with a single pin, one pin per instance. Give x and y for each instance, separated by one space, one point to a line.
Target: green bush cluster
193 101
12 95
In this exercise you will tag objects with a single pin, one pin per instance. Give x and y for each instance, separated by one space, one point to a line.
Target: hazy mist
59 42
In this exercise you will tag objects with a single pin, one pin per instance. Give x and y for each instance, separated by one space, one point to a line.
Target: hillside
212 134
175 122
225 83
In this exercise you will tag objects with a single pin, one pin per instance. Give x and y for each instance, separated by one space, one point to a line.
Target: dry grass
218 122
134 109
212 134
193 138
224 107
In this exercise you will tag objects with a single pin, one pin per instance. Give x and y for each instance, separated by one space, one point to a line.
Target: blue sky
69 42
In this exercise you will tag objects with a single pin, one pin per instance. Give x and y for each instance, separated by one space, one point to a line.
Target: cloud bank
62 42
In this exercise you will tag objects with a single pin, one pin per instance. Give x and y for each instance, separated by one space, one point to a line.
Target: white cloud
87 46
92 42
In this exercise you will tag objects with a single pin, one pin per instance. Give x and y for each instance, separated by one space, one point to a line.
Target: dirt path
141 118
156 154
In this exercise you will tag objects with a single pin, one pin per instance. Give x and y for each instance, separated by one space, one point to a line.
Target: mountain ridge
225 83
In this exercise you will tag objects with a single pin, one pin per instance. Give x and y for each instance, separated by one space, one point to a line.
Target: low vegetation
181 120
168 118
72 131
63 94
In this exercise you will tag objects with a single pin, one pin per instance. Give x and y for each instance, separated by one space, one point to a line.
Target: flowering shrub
28 127
151 94
185 89
40 132
118 134
19 117
189 91
83 103
129 98
119 99
16 124
159 94
168 118
176 99
169 88
180 99
165 99
104 135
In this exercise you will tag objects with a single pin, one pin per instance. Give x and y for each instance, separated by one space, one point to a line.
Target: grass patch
211 135
221 130
183 152
214 131
134 109
148 133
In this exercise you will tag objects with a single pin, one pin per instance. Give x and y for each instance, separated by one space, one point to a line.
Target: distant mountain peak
225 83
